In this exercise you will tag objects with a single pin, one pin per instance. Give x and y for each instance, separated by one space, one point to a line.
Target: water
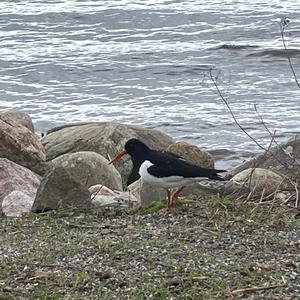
148 62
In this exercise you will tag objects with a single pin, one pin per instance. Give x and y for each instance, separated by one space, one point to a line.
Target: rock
20 145
150 193
90 168
100 189
58 189
192 154
104 138
259 179
16 178
16 204
19 117
103 196
222 153
282 159
175 281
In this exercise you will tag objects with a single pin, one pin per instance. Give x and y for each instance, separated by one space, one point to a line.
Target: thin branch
273 138
95 194
283 24
267 150
214 80
264 124
297 195
295 184
257 288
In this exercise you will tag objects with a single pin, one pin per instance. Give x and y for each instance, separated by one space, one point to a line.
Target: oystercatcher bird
163 169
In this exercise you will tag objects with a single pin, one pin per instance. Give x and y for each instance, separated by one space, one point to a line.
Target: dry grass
203 249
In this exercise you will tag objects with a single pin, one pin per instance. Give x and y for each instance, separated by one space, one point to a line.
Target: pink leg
175 195
169 199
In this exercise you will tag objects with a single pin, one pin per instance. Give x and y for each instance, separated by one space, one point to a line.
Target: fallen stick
257 288
203 229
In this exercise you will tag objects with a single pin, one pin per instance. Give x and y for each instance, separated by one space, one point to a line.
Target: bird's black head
135 147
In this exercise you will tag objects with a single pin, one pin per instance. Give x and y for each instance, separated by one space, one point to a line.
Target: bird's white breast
143 171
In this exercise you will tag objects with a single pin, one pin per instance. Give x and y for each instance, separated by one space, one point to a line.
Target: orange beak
117 157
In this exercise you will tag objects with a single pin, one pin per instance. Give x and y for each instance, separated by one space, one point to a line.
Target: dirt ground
203 249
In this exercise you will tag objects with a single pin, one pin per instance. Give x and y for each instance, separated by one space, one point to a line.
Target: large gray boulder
283 159
259 181
20 117
20 145
59 190
15 178
90 168
104 138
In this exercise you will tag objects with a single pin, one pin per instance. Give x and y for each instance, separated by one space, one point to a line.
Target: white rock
17 203
103 196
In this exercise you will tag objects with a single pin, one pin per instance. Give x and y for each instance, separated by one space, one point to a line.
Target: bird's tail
216 176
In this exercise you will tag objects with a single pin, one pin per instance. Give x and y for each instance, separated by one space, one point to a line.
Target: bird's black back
165 165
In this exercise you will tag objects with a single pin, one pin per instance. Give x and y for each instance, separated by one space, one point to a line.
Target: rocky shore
68 168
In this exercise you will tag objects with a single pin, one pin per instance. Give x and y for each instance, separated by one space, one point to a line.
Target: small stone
289 263
103 275
175 281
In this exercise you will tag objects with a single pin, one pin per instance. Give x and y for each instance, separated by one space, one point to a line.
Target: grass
202 249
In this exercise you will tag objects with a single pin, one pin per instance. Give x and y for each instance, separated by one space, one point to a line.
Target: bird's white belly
164 182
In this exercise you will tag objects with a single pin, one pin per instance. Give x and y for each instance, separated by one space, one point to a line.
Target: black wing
165 165
173 154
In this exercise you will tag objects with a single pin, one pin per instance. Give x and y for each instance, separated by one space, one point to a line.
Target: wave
277 53
234 47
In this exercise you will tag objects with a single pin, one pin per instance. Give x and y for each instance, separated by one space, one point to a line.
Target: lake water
147 63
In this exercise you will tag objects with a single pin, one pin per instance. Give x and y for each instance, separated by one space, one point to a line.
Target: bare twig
262 195
95 194
286 201
253 189
283 24
295 186
267 150
214 80
257 288
258 162
297 195
295 160
272 135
